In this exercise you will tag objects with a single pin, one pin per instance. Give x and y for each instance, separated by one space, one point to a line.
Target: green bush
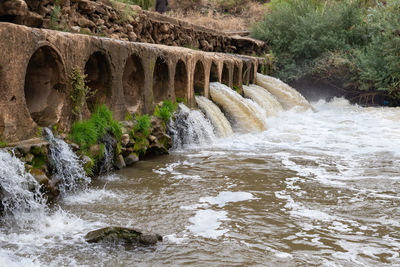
378 63
87 133
143 125
300 31
79 92
166 110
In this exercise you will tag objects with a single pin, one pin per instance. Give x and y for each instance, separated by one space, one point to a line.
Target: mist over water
316 189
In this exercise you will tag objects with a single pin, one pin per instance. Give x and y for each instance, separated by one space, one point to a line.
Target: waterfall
65 165
190 127
214 114
263 98
246 114
19 191
108 157
285 94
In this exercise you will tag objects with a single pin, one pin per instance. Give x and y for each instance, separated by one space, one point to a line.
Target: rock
132 36
123 235
75 29
127 235
40 176
13 7
125 139
29 157
131 159
120 162
164 28
94 150
126 151
156 149
152 138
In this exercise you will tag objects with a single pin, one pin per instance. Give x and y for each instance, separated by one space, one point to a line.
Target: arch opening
214 73
225 74
245 73
133 83
160 80
98 73
181 80
251 72
45 85
199 78
236 77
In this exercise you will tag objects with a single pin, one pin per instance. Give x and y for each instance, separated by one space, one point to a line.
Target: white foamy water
247 115
263 98
225 197
66 165
214 114
190 127
286 95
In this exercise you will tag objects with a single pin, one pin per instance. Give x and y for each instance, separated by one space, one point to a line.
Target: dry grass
208 13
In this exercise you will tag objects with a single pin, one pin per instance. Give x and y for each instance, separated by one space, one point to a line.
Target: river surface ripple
316 189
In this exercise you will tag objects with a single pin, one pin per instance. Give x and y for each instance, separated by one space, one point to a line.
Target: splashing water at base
286 95
65 164
247 115
19 192
190 127
263 98
215 115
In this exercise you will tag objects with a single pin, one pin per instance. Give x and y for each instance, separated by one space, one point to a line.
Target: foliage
181 100
300 31
56 22
143 125
87 133
378 63
3 144
166 110
79 92
356 41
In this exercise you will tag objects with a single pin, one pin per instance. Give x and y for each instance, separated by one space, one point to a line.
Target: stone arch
225 74
45 85
133 83
236 76
160 80
181 80
214 72
98 73
199 78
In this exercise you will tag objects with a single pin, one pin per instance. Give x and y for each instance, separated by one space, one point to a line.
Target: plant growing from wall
79 92
56 22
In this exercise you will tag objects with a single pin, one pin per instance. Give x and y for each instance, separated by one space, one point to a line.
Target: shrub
143 125
87 133
166 110
300 31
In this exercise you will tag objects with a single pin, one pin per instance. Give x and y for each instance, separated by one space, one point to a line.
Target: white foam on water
206 223
90 196
225 197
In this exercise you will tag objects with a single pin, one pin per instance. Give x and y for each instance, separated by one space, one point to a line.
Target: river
316 189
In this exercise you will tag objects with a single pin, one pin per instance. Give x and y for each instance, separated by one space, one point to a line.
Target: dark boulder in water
124 235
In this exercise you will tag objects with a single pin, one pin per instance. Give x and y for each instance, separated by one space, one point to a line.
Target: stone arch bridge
36 65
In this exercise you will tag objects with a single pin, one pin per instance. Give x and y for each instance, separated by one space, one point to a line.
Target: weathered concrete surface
36 64
124 22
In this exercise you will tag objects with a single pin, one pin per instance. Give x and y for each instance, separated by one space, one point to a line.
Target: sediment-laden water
316 189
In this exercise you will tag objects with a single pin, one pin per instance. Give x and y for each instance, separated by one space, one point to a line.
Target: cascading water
247 115
214 114
263 98
65 165
286 95
19 191
190 127
108 157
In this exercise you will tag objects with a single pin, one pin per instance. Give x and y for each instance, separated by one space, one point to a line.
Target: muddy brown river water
316 189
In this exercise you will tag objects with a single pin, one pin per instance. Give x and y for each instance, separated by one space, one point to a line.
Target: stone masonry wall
129 23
